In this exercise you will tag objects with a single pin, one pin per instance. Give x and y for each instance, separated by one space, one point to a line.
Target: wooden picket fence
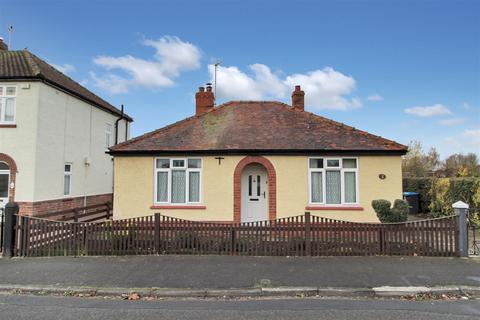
303 235
94 212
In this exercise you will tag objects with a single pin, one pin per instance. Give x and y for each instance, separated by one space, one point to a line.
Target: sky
404 70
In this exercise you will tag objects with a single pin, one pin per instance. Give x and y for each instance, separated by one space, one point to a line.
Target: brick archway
13 172
237 186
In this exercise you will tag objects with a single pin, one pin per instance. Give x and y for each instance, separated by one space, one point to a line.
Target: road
15 307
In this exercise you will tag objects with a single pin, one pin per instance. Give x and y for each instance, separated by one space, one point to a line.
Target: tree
418 164
460 165
433 159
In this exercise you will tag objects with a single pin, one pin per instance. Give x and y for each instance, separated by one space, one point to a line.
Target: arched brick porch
13 172
272 186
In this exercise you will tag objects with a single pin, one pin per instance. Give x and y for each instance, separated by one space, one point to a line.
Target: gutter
256 152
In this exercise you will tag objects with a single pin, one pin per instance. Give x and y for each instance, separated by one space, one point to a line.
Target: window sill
178 207
4 125
336 208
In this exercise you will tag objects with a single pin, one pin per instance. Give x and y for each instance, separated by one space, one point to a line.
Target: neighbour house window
333 181
67 179
7 104
108 135
177 181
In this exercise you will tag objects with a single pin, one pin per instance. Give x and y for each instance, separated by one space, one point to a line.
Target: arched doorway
8 172
246 176
4 183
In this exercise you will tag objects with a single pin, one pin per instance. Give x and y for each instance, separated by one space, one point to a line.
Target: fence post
108 205
11 209
460 208
157 233
75 215
308 239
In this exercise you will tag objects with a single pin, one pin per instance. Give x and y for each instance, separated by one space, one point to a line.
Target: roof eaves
258 151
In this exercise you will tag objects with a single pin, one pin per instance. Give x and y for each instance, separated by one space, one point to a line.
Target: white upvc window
333 181
67 179
178 181
8 96
108 135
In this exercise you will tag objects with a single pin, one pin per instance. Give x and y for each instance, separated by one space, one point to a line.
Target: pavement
240 276
19 307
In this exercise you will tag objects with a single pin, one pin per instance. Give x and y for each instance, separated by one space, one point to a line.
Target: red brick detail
178 207
8 125
237 186
341 208
298 99
39 207
204 100
13 173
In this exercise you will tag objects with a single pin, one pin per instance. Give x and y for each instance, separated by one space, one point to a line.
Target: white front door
254 193
4 187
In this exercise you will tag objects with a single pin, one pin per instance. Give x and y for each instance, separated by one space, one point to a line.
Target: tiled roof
22 64
239 126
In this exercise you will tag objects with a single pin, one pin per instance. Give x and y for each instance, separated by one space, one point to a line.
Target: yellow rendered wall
134 179
134 191
292 186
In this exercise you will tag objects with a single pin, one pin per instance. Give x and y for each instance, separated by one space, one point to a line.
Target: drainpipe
126 129
116 126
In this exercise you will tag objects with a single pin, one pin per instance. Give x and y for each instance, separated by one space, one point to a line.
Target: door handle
264 194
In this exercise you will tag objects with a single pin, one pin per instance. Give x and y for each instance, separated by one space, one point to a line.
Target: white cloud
172 57
428 111
472 137
110 83
375 97
465 142
326 88
235 84
452 121
64 68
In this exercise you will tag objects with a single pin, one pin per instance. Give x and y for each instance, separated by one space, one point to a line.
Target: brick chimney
298 99
3 45
204 100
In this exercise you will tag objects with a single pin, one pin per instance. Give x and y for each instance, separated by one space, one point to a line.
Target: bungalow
255 160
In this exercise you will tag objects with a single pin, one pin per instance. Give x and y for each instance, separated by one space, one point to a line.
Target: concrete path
225 272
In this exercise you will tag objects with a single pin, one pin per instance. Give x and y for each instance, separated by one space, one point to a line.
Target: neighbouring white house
53 137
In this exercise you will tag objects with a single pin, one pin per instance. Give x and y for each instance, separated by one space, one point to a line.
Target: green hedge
438 194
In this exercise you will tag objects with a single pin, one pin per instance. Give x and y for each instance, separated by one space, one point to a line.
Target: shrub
441 204
474 219
476 199
400 211
385 214
382 208
465 189
438 194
